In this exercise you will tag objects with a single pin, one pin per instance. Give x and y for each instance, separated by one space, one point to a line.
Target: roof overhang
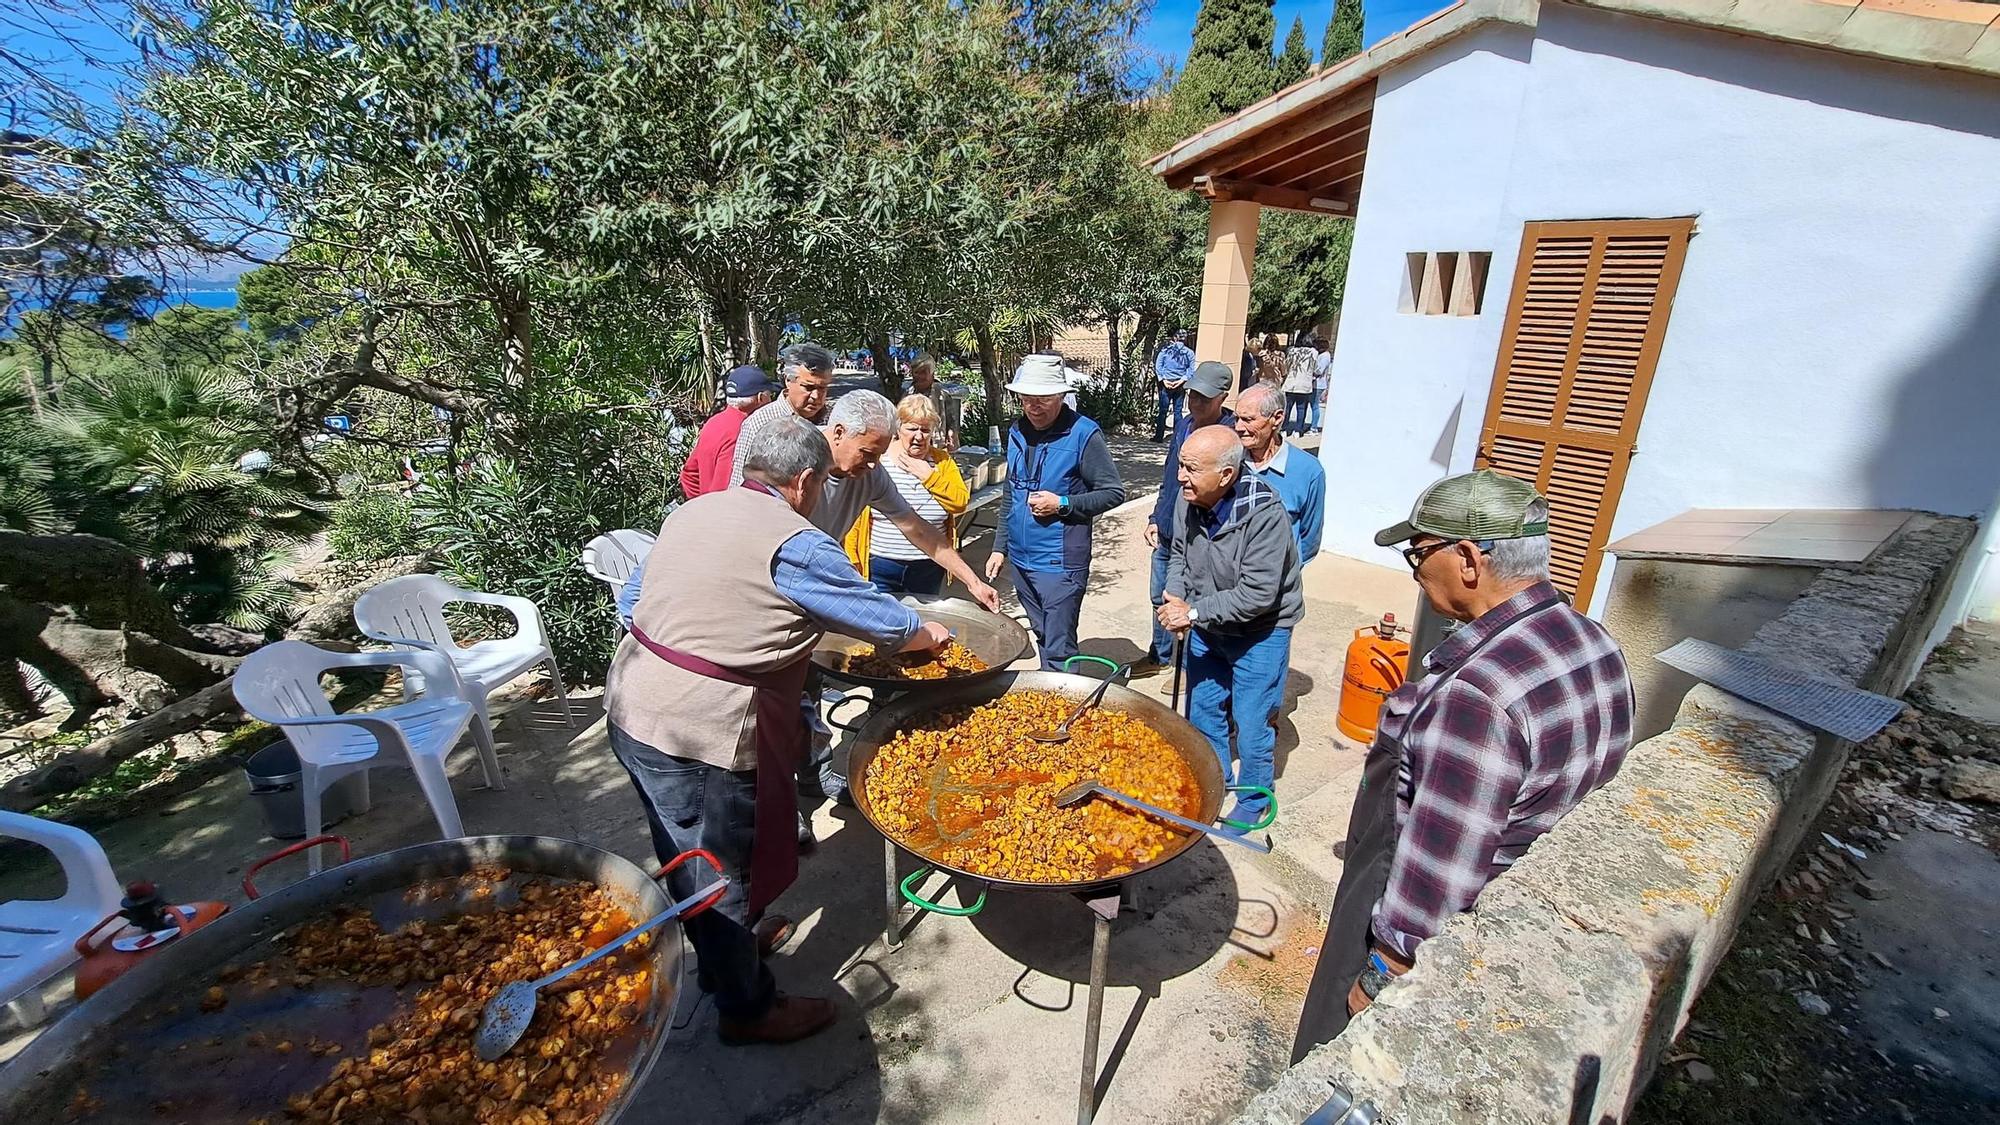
1305 148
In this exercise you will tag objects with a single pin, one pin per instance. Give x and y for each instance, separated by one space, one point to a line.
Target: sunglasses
1415 556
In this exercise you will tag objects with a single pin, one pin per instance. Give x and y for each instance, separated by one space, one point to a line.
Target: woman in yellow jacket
931 484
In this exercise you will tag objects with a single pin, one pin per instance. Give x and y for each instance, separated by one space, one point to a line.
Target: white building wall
1835 341
1442 139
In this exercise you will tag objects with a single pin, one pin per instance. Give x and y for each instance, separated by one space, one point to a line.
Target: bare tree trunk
73 769
34 392
989 369
885 365
1116 360
770 329
705 329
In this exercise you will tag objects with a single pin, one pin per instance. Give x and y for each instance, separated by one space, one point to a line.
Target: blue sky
1171 26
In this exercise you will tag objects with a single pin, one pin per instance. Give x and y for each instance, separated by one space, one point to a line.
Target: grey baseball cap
1210 379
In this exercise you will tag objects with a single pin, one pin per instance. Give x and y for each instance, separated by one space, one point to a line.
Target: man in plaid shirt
1516 717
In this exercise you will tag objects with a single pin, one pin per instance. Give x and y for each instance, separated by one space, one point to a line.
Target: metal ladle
1090 786
1061 733
507 1015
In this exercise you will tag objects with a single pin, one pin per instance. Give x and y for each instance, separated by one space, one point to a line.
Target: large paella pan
955 702
200 1031
993 639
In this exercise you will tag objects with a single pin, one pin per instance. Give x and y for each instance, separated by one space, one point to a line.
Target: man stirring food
1516 718
702 702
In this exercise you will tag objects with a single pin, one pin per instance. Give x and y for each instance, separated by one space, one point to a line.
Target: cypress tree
1229 65
1343 33
1296 61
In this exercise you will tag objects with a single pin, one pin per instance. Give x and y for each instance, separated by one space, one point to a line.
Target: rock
1811 1004
1970 780
1750 1080
1869 888
1880 960
1940 1013
1698 1071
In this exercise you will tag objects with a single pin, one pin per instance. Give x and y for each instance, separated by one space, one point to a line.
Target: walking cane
1180 659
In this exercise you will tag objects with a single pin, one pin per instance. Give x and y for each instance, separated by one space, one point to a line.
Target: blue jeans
1163 641
1053 600
1317 392
689 805
1240 678
1177 399
894 576
1297 408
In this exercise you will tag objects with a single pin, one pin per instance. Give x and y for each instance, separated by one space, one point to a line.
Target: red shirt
714 453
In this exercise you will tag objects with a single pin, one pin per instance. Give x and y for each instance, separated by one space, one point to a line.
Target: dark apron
1370 850
781 739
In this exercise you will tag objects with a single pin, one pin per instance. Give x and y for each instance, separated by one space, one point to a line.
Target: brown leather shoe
788 1020
773 931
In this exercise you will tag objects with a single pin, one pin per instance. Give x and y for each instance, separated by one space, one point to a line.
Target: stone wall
1552 999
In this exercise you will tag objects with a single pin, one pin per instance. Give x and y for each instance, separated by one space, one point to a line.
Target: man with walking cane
1233 594
1518 716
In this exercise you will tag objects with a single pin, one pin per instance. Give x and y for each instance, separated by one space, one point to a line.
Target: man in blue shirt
1296 475
1206 389
1060 477
1172 367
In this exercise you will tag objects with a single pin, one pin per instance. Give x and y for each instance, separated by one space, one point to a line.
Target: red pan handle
694 853
250 888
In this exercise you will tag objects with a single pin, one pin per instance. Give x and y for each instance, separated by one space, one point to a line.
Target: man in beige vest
703 703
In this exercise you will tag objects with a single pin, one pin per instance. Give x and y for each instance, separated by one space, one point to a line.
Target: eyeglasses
1415 556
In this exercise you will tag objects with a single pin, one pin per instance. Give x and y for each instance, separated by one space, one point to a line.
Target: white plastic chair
279 684
38 936
409 611
613 556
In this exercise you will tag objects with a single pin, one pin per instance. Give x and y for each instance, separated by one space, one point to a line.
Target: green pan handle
1270 814
908 888
1113 665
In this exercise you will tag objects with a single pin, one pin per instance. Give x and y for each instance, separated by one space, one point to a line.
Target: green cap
1481 505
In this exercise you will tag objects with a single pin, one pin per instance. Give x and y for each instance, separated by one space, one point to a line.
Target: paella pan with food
353 996
982 646
950 775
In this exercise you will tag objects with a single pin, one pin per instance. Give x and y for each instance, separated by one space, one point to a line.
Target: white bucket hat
1042 375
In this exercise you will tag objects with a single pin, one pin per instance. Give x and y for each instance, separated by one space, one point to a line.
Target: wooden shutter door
1583 333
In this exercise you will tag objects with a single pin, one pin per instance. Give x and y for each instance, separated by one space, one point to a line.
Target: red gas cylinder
149 923
1377 661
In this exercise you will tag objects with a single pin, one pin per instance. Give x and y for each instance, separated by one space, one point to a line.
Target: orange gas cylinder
1377 661
148 923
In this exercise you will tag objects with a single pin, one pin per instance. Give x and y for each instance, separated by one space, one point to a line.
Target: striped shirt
1518 733
885 538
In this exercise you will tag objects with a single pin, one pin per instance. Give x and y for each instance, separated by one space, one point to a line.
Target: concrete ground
973 1019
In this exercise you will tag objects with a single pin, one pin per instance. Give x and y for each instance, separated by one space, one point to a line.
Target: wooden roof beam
1272 169
1218 189
1264 142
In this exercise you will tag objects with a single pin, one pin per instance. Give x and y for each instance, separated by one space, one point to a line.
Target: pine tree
1343 33
1229 65
1296 61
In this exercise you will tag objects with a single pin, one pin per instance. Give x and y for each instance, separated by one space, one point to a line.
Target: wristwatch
1193 614
1062 504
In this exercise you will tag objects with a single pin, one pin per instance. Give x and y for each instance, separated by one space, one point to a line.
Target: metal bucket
273 774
